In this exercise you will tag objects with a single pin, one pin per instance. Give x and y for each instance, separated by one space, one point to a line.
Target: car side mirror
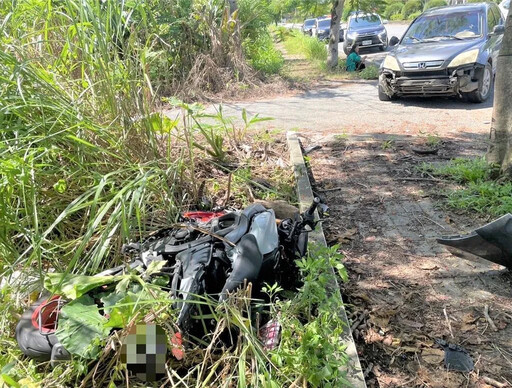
499 29
394 41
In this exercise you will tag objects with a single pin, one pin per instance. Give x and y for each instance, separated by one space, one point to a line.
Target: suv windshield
357 22
324 23
456 25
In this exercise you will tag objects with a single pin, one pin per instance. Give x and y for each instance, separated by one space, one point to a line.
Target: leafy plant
394 9
410 7
311 344
434 3
370 72
388 144
310 47
462 170
262 54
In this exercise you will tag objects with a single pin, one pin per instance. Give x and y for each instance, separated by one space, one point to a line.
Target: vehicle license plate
366 42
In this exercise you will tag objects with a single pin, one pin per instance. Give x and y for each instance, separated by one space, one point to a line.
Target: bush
434 4
414 15
263 56
312 48
370 72
398 16
411 7
392 10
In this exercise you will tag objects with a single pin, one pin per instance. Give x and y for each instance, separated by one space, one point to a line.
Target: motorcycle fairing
492 242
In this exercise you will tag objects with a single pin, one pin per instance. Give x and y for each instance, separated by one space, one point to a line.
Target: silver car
446 51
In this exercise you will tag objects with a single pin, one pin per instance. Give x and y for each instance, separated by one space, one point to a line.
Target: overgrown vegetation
87 158
479 190
311 351
315 51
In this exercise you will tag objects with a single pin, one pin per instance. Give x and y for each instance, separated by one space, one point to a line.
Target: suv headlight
465 58
391 63
351 35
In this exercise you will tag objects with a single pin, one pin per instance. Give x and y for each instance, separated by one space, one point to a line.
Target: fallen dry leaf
372 337
347 236
428 266
414 324
432 356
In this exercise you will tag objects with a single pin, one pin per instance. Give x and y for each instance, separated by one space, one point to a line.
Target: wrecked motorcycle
209 253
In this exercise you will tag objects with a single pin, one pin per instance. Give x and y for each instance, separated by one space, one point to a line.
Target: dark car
365 30
322 29
446 51
308 26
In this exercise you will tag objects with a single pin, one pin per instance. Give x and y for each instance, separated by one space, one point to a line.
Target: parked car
446 51
308 26
504 6
365 30
322 29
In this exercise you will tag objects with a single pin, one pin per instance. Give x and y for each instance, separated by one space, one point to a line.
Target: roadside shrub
414 15
315 49
411 7
396 17
263 56
434 4
370 72
312 48
392 10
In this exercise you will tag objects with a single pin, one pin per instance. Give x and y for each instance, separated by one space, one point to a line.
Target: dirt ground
405 290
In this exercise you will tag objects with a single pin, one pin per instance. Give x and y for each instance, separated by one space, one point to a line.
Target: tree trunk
500 149
334 36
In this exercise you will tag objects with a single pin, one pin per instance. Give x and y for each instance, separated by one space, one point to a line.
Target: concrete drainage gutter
305 194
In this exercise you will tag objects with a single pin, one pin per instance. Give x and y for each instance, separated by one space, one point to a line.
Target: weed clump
479 191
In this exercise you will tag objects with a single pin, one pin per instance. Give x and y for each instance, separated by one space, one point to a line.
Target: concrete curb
305 194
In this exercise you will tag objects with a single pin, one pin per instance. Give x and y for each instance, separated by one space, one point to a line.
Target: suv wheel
484 86
383 96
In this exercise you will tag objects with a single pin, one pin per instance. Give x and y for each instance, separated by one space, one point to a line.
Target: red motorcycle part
46 315
202 216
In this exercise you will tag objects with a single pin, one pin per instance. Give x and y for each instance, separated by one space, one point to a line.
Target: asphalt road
354 108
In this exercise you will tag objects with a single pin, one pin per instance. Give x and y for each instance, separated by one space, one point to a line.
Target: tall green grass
312 48
82 162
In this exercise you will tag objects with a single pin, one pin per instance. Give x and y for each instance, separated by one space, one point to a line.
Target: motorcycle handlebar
312 208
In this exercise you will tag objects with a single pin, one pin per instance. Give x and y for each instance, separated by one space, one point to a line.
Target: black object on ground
312 148
491 242
456 358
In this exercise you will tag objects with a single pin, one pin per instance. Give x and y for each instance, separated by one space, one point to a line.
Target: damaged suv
447 51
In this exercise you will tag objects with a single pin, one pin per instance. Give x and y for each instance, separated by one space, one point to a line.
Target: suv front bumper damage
447 82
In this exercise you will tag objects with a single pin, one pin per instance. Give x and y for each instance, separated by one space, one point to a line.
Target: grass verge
479 190
315 52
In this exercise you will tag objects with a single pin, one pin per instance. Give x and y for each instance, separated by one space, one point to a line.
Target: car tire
485 84
383 96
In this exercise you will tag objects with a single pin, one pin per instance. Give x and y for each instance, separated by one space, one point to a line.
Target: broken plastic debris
456 358
270 334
